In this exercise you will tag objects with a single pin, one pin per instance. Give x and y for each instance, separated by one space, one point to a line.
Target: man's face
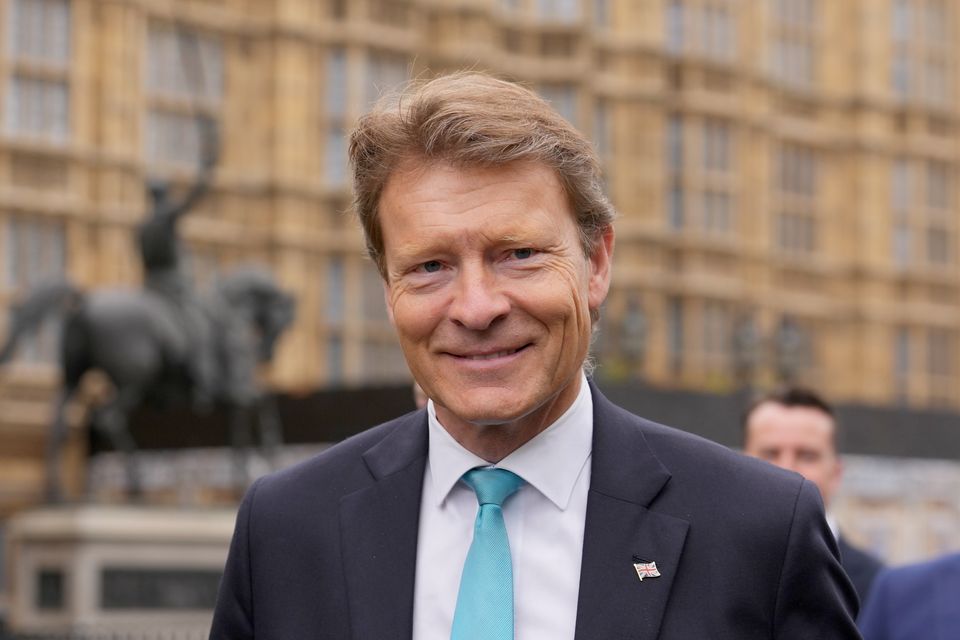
797 438
490 291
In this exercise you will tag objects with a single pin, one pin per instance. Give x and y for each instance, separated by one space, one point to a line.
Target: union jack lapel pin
645 569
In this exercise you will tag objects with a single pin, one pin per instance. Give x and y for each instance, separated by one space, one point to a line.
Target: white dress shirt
544 519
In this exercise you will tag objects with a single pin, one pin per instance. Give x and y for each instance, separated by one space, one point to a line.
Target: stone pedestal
95 571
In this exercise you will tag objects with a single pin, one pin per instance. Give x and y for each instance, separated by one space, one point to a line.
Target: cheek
413 319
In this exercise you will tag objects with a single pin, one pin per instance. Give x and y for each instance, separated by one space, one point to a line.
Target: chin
496 412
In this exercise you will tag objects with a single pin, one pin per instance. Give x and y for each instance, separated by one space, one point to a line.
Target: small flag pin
645 569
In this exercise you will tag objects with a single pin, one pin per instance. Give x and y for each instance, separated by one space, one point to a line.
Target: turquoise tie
485 602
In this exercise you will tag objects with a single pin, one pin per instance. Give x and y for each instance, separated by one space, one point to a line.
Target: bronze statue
136 340
161 253
163 344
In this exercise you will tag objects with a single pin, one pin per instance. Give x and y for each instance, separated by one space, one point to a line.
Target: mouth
489 355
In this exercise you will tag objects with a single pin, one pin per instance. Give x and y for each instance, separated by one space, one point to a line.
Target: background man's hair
793 397
471 119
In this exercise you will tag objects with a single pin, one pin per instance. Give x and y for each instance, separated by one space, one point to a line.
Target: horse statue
134 338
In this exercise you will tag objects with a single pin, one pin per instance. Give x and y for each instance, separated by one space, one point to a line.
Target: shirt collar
832 523
551 462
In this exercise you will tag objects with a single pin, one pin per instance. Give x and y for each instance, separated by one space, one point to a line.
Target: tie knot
492 486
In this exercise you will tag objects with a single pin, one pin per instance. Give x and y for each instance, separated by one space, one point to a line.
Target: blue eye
523 254
432 267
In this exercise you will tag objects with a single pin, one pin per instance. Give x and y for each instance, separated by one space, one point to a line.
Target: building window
717 155
563 98
602 130
922 52
796 186
335 306
38 90
34 251
941 367
675 169
795 346
633 332
38 108
923 207
794 34
184 79
702 27
40 31
601 14
561 11
335 158
184 63
717 338
900 202
382 359
335 358
173 138
717 163
333 314
385 72
336 91
336 82
675 335
941 214
675 26
374 305
603 137
706 185
901 364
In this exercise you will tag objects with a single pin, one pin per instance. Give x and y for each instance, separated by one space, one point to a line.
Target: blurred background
786 173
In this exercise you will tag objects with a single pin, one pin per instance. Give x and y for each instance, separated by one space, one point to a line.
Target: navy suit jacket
327 549
915 602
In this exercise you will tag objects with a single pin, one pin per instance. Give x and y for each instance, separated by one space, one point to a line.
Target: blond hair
471 119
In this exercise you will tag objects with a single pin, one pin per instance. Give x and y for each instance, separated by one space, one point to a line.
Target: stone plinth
116 570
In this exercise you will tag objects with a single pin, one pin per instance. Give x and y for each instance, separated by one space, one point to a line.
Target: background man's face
489 289
797 438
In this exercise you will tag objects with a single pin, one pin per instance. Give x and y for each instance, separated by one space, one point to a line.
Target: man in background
915 602
797 430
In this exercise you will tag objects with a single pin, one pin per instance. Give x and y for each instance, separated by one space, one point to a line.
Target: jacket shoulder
341 469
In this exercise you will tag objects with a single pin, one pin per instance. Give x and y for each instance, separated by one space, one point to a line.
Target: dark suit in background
915 602
327 549
861 567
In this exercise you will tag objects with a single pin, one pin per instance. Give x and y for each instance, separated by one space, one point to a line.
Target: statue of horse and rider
163 345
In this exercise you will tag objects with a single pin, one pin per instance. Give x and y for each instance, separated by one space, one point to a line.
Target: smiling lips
493 355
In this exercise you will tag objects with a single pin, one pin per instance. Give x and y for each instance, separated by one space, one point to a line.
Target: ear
601 269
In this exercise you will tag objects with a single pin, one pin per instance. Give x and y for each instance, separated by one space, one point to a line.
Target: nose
478 300
787 462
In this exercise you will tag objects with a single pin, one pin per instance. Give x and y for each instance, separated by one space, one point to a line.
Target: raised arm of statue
210 141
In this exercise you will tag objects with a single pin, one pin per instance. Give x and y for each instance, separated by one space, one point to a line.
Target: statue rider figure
164 273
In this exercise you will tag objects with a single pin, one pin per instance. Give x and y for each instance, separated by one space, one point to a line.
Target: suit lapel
379 527
620 529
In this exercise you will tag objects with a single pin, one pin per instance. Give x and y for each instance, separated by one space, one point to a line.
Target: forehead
438 194
775 424
413 173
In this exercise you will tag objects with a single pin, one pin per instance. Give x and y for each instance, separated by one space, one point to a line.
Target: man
916 602
484 212
797 430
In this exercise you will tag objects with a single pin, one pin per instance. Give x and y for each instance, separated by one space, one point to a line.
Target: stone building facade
785 172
